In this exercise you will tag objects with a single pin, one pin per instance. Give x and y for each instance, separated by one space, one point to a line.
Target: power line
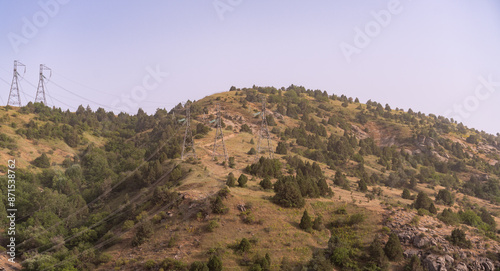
87 87
81 97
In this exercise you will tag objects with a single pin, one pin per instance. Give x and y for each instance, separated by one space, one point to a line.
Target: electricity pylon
219 134
264 132
14 97
188 135
40 91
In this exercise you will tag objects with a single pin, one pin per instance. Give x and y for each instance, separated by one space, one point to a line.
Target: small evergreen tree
244 245
406 194
393 248
214 263
266 183
198 266
281 148
362 186
318 223
231 162
305 222
218 206
432 209
42 161
252 151
444 196
231 180
422 201
242 180
377 254
458 238
415 264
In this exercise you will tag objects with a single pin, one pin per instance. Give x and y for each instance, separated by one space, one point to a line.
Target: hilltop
384 188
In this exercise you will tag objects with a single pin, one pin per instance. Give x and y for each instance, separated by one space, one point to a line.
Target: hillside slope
99 191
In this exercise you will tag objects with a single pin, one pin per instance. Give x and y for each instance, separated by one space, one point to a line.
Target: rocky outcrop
428 243
483 264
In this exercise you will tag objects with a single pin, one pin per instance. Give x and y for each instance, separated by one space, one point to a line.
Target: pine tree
305 222
393 248
377 254
231 180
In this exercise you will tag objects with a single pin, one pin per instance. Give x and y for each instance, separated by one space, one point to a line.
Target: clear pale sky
434 56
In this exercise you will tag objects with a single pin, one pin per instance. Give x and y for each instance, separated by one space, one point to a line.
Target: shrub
218 206
242 180
231 162
288 194
415 264
231 180
445 197
377 254
281 148
245 128
150 264
266 183
318 223
244 245
143 233
459 238
432 209
305 222
393 248
406 194
212 225
42 161
199 266
422 201
127 225
252 151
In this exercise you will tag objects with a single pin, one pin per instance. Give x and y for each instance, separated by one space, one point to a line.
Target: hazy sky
434 56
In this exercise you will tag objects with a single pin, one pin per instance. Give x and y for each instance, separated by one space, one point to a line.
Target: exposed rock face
483 264
461 267
436 263
420 241
417 240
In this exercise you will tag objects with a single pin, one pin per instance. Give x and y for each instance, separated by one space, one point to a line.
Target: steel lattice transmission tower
264 132
14 97
40 91
188 145
219 134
